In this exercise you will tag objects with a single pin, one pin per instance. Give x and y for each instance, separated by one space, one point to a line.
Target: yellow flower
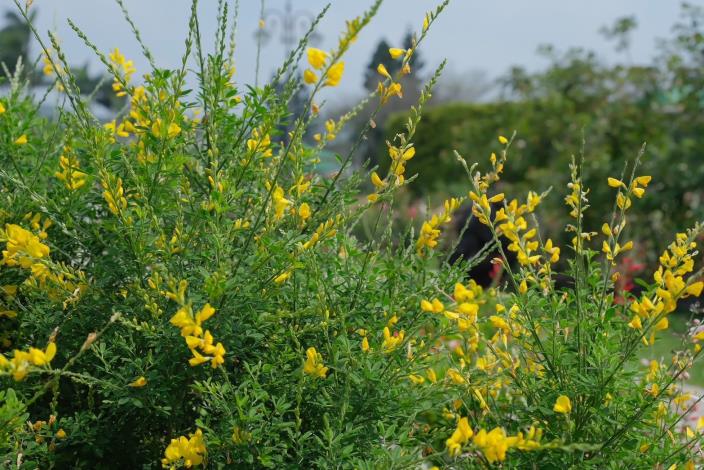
623 202
313 365
304 211
279 202
695 289
23 247
503 140
523 287
21 361
309 77
635 323
190 325
382 71
434 306
206 312
218 352
553 251
70 174
61 434
377 181
562 405
186 451
500 323
642 180
117 129
173 130
432 376
141 381
395 52
42 358
283 277
317 57
662 324
2 108
197 359
461 436
416 379
455 376
391 342
493 444
365 344
260 142
614 183
335 74
21 140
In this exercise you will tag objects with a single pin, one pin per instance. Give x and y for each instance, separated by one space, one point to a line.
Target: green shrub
185 292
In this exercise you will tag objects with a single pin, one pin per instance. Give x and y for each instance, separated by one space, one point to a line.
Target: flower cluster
325 231
23 249
114 194
399 156
278 201
186 451
464 309
21 361
330 129
493 444
513 225
577 201
192 330
670 286
260 142
392 341
125 68
393 88
313 365
318 60
70 173
430 230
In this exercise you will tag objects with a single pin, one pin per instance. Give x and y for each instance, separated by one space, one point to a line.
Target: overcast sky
489 35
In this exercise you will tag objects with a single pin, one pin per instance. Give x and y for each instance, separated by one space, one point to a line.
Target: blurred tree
379 56
468 86
14 41
620 32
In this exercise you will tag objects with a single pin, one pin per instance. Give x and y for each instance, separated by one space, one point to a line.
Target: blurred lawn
672 340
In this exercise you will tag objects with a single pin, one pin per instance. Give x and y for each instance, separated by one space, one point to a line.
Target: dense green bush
185 292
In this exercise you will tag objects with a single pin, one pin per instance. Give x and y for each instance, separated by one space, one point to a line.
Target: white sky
490 35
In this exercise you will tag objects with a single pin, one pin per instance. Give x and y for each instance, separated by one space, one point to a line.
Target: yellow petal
614 183
141 381
395 52
50 352
563 405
